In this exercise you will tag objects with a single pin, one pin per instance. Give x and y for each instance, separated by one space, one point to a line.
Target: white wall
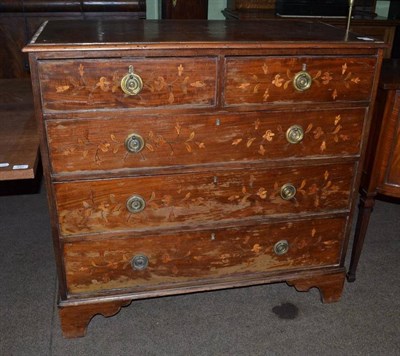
214 9
153 9
382 7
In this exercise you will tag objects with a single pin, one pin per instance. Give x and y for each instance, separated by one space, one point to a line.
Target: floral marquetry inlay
180 138
112 84
157 142
193 255
98 144
271 80
331 134
170 200
89 83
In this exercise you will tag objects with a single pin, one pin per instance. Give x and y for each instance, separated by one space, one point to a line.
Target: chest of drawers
182 157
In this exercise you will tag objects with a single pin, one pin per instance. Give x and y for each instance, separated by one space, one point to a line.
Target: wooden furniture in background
376 27
186 156
251 4
381 174
19 20
184 9
19 142
359 5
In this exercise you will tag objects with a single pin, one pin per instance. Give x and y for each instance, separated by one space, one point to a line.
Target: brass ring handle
135 204
281 247
140 262
302 81
131 83
295 134
134 143
288 191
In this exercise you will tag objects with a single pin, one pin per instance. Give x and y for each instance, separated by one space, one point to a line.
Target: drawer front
270 79
96 84
147 261
94 145
189 199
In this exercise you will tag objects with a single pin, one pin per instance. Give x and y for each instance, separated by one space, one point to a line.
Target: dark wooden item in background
19 142
19 20
363 24
17 120
364 5
382 169
184 9
200 202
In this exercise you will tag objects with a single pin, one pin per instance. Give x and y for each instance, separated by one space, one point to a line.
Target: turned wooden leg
76 318
365 209
330 285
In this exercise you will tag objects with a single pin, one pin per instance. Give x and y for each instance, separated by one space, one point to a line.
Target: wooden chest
183 157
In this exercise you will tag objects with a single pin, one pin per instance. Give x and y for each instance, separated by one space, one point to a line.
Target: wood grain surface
106 264
187 199
93 145
270 79
96 84
196 34
217 101
19 141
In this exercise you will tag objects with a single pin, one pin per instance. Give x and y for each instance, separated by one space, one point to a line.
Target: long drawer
96 83
151 261
85 145
264 80
188 199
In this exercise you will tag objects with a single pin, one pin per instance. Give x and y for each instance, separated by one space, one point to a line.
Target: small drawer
188 199
147 262
92 145
148 83
288 80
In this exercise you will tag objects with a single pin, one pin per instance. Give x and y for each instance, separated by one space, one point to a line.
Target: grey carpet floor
263 320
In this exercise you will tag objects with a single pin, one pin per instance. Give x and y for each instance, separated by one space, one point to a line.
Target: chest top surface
97 34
